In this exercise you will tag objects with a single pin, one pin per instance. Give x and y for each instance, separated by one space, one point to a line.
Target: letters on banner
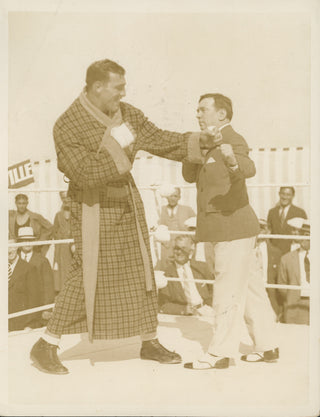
20 174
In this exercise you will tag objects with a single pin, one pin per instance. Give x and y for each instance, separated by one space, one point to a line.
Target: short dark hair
21 197
100 70
220 102
290 188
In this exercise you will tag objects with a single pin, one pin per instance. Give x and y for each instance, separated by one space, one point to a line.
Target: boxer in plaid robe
123 298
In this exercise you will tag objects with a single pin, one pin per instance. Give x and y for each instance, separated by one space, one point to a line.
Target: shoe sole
155 360
37 365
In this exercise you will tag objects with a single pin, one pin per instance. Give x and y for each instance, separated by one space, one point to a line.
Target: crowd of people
104 283
280 260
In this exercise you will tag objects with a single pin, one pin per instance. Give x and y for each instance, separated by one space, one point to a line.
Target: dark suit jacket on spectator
23 293
275 227
45 273
296 308
172 299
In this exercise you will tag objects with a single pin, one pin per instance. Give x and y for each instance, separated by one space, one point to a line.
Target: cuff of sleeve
194 152
118 155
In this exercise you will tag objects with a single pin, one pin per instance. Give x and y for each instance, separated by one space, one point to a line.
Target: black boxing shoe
154 351
45 358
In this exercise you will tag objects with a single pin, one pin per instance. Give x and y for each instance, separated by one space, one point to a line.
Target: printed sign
20 174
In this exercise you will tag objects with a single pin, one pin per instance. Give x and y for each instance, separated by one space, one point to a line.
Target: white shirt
189 287
172 211
303 278
26 256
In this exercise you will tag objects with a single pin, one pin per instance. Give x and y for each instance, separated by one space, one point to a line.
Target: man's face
174 198
26 249
12 254
207 114
286 197
182 251
111 92
21 205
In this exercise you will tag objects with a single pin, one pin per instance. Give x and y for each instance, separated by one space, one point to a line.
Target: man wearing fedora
295 270
42 266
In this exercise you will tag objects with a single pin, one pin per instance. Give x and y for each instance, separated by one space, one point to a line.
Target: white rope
173 232
202 281
155 187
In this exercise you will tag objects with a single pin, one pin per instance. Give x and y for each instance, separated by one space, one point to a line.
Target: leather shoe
45 358
153 350
267 356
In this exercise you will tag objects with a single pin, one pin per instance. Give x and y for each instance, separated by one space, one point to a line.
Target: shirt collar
227 124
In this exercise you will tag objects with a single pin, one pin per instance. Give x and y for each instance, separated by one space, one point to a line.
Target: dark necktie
282 216
307 266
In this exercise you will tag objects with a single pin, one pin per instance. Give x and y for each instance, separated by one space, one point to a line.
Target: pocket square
211 160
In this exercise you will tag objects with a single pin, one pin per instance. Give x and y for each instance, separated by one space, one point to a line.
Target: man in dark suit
185 297
295 270
279 215
23 291
43 267
226 219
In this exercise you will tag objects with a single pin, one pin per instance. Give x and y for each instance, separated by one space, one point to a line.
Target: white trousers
239 293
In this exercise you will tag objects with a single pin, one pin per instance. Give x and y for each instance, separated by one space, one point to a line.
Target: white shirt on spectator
26 256
189 287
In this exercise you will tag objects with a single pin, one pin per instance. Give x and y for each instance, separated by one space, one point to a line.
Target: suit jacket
177 221
296 309
45 274
224 213
275 227
23 293
172 299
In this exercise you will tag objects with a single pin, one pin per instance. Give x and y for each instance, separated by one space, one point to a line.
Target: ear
97 86
222 114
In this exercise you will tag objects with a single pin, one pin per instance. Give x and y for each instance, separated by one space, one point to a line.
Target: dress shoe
44 355
209 361
153 350
267 356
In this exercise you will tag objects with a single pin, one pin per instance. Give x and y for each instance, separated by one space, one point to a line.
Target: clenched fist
228 155
210 138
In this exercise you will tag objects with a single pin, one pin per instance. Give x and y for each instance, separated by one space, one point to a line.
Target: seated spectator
173 215
268 257
280 214
185 297
45 282
295 270
23 290
22 217
63 252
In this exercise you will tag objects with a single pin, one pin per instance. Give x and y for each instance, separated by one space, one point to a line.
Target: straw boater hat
300 224
25 234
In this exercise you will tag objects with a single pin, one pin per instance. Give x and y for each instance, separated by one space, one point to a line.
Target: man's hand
210 138
228 155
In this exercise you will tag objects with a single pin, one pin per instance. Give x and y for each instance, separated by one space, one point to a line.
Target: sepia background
261 57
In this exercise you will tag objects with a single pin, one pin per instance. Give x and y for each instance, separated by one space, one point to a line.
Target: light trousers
239 293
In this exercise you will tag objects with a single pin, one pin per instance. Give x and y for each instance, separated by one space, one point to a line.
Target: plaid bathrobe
123 306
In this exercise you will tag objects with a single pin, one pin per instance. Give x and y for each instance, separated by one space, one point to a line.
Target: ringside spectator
295 270
22 217
279 215
185 297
